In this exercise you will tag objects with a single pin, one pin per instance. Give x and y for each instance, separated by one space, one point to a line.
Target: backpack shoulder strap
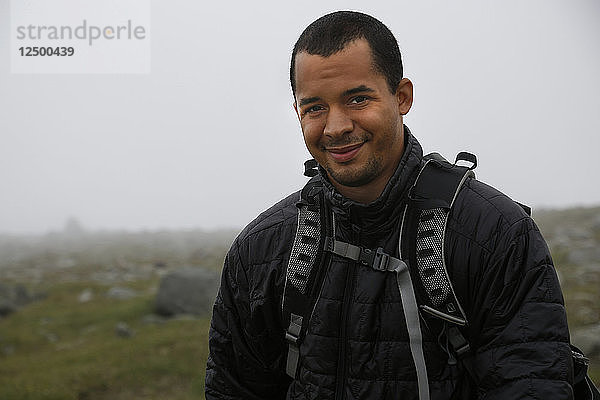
423 231
304 272
422 240
422 245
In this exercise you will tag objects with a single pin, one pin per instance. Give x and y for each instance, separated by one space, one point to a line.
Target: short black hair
332 32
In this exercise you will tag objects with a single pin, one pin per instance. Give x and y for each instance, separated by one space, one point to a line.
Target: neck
364 194
381 214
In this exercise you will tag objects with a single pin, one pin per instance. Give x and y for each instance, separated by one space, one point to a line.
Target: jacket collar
382 214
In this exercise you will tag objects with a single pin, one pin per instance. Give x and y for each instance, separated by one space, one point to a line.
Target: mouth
345 153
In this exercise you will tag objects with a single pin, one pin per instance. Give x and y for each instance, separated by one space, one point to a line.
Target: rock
85 295
6 308
187 291
12 297
121 293
123 330
588 340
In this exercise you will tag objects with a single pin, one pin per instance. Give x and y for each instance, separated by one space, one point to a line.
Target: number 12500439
46 51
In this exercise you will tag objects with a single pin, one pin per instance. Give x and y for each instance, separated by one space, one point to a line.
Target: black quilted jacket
357 344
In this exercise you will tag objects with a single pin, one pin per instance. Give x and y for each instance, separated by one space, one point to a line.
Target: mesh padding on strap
305 248
430 257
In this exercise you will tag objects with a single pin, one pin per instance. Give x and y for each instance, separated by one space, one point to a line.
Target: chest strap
376 259
381 261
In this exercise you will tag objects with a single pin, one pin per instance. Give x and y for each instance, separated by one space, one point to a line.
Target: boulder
12 297
187 291
6 307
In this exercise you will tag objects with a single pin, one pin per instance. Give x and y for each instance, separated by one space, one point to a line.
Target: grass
60 348
64 349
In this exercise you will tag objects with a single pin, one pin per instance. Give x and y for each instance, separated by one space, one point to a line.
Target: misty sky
209 138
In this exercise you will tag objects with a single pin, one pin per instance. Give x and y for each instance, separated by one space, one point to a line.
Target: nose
337 123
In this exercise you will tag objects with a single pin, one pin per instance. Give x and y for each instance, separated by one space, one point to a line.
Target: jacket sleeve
522 348
244 361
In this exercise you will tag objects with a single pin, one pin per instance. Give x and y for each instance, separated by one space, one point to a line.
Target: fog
209 138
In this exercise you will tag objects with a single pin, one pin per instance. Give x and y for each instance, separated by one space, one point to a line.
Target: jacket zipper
347 302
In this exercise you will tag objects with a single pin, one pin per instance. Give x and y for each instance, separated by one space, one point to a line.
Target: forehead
351 67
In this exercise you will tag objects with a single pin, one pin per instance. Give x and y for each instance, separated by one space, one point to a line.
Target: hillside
68 336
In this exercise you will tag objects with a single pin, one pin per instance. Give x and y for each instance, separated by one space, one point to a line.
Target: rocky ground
107 315
178 261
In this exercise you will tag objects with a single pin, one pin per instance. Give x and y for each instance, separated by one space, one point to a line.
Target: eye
313 109
358 99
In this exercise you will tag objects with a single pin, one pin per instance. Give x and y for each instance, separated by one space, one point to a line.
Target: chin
350 178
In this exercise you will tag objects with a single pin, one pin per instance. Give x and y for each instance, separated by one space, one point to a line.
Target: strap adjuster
459 343
291 338
462 350
293 331
292 335
378 260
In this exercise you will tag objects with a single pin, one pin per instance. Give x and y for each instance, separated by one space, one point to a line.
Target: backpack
423 280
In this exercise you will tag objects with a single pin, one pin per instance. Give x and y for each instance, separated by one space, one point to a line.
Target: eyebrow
308 100
349 92
358 89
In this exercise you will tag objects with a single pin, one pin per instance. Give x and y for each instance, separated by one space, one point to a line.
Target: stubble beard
356 176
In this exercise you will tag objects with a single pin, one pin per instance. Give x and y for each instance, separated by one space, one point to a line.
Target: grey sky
209 138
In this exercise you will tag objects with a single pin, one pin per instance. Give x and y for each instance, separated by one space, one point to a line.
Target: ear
296 111
404 95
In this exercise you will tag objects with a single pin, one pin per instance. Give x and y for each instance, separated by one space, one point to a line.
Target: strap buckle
292 335
378 260
292 339
459 343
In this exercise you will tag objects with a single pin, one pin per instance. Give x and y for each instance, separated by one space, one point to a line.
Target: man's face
352 123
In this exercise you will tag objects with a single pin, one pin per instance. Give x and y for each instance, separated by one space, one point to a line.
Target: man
350 98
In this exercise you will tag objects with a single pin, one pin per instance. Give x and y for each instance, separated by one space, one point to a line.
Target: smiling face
352 123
